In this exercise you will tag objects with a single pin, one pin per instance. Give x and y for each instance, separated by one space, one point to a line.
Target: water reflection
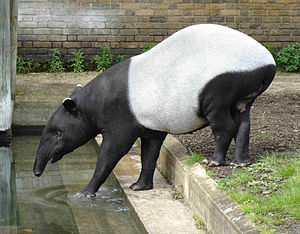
8 207
47 204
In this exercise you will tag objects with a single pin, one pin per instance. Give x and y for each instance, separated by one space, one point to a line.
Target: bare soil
49 87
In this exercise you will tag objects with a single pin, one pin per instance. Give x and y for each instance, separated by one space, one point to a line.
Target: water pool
47 204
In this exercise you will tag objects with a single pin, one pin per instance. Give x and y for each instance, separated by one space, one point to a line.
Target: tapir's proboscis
202 75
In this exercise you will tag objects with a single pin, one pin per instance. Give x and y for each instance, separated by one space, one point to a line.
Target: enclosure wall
127 25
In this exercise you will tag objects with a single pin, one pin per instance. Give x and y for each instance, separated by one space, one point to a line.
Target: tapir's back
165 82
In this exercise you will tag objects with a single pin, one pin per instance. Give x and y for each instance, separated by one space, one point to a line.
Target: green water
47 204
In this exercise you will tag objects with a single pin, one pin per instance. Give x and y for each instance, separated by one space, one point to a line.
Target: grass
193 157
268 191
40 94
21 90
261 137
200 224
178 196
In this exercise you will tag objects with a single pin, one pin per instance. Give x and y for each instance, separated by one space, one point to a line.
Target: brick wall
127 25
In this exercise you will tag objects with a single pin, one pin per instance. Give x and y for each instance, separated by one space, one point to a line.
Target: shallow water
48 204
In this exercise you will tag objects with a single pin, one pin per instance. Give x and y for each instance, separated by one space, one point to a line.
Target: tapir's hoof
212 163
137 187
205 161
84 194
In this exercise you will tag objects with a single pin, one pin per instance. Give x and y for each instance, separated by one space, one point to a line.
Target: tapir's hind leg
224 129
241 153
151 142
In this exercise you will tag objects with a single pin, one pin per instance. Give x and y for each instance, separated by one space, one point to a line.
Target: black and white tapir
201 75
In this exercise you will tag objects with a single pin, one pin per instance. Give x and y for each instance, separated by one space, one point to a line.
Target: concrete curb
220 213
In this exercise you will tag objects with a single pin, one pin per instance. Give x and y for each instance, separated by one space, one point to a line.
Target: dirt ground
49 87
275 123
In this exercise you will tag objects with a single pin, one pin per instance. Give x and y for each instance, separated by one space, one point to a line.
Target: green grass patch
268 191
210 173
261 137
20 90
200 224
40 94
194 158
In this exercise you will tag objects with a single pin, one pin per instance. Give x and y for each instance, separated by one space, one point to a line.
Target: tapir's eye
58 134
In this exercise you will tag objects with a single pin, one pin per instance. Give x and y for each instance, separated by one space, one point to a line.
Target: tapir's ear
69 104
78 88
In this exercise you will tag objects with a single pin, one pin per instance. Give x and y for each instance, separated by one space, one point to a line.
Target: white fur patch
66 99
165 82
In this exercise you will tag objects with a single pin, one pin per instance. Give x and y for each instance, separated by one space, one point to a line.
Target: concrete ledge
33 113
220 213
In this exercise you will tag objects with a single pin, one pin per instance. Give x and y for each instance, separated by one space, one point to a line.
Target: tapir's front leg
151 142
224 129
113 148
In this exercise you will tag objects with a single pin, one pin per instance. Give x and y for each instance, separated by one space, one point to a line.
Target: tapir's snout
39 167
38 173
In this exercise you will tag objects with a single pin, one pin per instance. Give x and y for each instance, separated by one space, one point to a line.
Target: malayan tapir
201 75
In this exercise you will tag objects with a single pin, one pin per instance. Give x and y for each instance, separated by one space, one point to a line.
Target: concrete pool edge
220 213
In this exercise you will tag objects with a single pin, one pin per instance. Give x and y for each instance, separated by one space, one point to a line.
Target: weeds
199 222
77 61
193 157
55 64
165 175
148 47
289 58
178 196
24 66
104 59
120 58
